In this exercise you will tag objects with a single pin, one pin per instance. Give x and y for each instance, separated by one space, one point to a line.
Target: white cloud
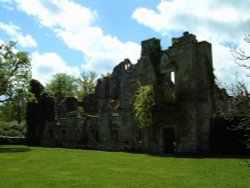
14 32
45 65
74 24
102 52
7 7
60 14
218 22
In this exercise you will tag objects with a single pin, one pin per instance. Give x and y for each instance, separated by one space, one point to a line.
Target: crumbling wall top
186 38
150 46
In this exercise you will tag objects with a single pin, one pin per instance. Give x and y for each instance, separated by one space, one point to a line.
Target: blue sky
73 36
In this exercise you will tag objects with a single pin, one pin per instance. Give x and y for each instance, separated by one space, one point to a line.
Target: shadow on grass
202 156
10 150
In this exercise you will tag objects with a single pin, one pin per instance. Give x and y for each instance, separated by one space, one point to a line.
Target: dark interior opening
63 134
169 140
138 136
51 134
114 135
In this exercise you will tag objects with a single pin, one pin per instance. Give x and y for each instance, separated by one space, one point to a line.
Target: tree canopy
62 85
86 84
15 72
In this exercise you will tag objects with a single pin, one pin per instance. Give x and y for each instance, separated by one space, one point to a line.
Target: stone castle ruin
109 123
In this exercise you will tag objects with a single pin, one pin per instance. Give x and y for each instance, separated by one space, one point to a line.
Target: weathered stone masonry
109 122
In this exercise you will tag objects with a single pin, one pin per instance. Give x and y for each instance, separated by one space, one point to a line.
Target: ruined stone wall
194 87
110 123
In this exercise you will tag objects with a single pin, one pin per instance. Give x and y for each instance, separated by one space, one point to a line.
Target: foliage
239 105
15 72
102 76
15 108
86 84
61 86
240 101
144 103
152 100
36 89
57 167
4 123
13 130
6 111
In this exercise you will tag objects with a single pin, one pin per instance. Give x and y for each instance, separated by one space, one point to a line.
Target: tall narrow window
173 77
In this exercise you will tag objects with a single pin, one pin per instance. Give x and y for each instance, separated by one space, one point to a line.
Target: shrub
13 133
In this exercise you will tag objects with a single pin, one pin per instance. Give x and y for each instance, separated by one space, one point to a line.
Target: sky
74 36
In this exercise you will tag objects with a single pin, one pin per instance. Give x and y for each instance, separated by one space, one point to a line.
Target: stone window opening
138 136
127 66
170 82
169 140
172 77
97 135
164 59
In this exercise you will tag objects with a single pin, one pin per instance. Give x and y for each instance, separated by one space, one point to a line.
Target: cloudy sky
81 35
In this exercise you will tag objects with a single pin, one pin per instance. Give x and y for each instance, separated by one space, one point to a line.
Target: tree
86 84
15 72
61 86
239 105
15 109
241 58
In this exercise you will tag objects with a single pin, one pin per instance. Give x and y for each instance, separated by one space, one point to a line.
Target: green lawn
22 166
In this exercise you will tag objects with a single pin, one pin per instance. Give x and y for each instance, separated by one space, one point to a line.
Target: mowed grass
35 167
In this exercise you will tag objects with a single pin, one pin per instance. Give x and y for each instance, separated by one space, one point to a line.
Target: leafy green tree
15 72
61 86
15 109
86 84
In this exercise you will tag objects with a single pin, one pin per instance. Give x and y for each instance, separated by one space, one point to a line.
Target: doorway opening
169 140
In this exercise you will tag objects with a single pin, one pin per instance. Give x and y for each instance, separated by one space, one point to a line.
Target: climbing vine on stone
152 100
144 104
